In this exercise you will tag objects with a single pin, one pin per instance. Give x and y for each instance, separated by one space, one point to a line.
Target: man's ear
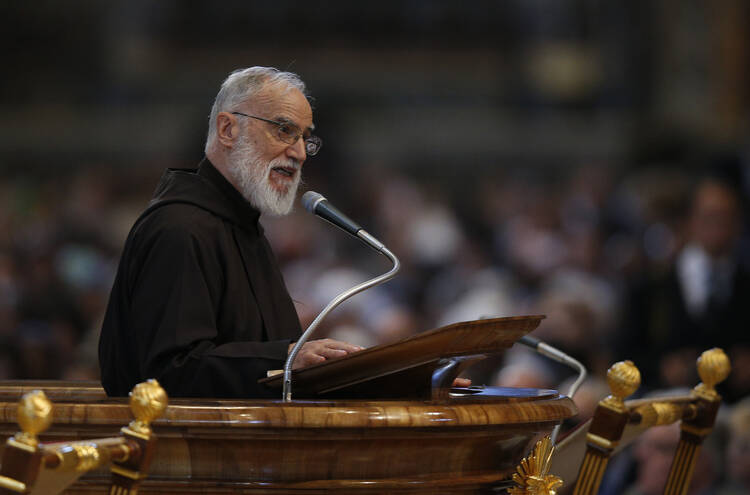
226 129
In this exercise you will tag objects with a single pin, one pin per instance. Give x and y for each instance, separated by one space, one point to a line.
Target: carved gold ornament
623 379
532 475
147 401
713 368
34 416
659 413
88 456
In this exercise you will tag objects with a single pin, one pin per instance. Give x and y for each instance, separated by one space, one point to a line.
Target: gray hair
243 84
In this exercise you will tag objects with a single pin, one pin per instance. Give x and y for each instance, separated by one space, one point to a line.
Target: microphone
318 205
556 355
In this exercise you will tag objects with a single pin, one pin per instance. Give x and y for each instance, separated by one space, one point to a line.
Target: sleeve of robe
175 285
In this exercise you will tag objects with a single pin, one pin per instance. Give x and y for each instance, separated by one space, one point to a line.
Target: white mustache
294 164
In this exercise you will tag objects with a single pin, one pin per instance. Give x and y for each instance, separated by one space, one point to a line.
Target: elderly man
198 301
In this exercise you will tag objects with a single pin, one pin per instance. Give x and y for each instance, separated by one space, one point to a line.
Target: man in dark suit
700 302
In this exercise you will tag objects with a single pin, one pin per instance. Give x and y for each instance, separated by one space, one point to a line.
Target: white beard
252 176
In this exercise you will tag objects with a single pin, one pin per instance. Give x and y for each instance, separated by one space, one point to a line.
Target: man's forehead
284 103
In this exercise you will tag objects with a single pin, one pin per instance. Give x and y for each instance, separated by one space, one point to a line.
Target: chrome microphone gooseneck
312 202
557 355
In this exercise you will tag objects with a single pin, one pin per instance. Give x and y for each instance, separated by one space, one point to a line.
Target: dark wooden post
22 457
147 401
713 368
610 418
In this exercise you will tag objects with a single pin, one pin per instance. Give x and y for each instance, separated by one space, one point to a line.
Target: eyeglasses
289 133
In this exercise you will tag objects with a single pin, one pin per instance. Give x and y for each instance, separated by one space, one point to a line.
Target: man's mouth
285 171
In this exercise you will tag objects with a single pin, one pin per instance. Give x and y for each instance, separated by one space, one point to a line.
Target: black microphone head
310 199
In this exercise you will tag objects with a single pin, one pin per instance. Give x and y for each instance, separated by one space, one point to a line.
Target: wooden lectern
384 420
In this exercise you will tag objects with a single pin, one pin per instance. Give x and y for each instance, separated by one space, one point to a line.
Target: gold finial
87 455
713 368
532 475
623 379
147 401
34 416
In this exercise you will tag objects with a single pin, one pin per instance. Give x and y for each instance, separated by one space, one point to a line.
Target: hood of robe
220 198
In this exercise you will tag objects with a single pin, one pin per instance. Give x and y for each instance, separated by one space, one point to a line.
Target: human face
264 169
716 224
251 176
282 104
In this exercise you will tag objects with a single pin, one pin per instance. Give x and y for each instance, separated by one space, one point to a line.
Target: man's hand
317 351
462 382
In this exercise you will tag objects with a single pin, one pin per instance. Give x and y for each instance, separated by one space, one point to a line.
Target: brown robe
198 302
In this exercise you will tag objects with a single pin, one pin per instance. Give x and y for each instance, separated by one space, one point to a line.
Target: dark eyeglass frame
285 135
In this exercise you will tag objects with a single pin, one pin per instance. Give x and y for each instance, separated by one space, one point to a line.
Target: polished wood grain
467 444
55 390
404 369
381 420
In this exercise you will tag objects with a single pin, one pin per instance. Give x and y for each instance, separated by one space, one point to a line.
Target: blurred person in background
653 452
698 301
525 369
738 451
199 302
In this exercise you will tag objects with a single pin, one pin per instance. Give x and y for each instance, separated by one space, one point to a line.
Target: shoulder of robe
177 223
180 217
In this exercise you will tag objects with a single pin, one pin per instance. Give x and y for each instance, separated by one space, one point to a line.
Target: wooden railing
613 416
29 466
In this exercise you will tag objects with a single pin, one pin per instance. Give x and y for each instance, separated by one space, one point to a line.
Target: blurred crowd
643 263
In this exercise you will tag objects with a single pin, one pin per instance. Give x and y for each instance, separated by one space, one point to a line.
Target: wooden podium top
468 408
404 369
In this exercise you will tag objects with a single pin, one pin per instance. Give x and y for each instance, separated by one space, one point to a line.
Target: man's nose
297 151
